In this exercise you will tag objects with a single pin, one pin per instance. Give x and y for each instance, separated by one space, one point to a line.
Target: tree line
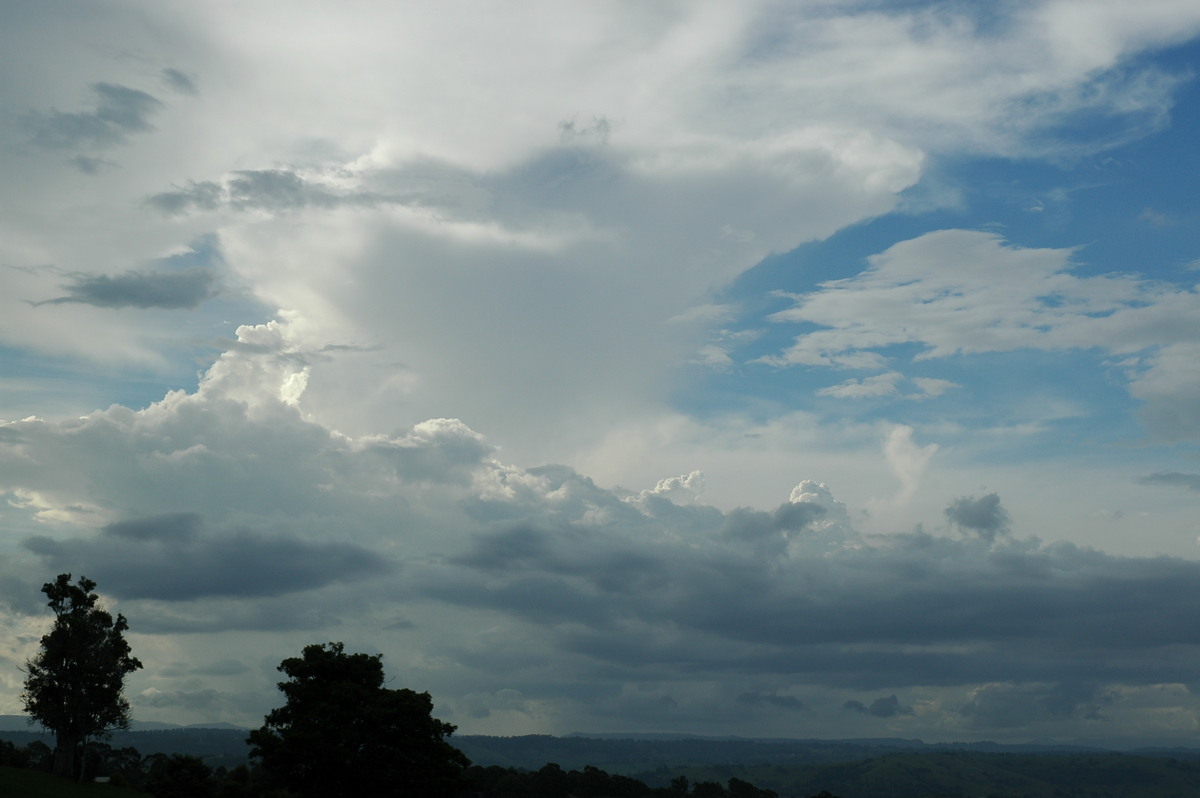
339 733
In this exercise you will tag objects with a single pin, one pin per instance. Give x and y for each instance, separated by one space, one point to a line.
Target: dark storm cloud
983 515
119 111
259 189
911 609
236 614
181 527
225 667
1174 479
173 558
769 532
759 699
888 707
1004 706
172 291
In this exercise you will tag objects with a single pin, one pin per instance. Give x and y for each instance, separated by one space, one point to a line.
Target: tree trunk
64 754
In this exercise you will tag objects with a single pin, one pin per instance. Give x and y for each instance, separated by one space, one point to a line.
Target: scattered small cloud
887 707
931 386
172 291
869 387
1156 218
888 384
774 700
118 112
594 131
179 81
984 515
183 280
1174 479
90 165
714 357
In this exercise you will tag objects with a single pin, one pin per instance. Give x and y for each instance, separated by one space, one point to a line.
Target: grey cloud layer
887 707
911 609
186 289
170 558
258 189
229 511
793 590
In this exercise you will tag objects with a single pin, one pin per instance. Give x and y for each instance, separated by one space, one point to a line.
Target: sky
777 369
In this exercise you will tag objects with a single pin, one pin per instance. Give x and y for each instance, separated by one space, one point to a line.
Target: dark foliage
74 685
179 776
342 733
551 781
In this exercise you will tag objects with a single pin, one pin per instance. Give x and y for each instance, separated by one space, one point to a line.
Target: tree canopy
340 732
74 685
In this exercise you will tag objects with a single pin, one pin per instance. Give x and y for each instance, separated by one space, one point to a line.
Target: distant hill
630 754
966 773
866 768
21 723
216 746
862 768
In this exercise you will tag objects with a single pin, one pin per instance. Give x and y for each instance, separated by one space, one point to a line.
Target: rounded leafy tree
342 733
74 685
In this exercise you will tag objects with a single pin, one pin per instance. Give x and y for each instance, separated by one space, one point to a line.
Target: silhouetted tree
744 789
708 789
179 776
74 685
237 783
679 787
13 757
342 733
40 757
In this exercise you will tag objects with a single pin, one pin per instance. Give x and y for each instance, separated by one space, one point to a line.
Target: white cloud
752 128
961 292
1169 388
683 489
878 385
908 461
932 386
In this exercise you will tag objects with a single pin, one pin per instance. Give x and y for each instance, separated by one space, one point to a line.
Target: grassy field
34 784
